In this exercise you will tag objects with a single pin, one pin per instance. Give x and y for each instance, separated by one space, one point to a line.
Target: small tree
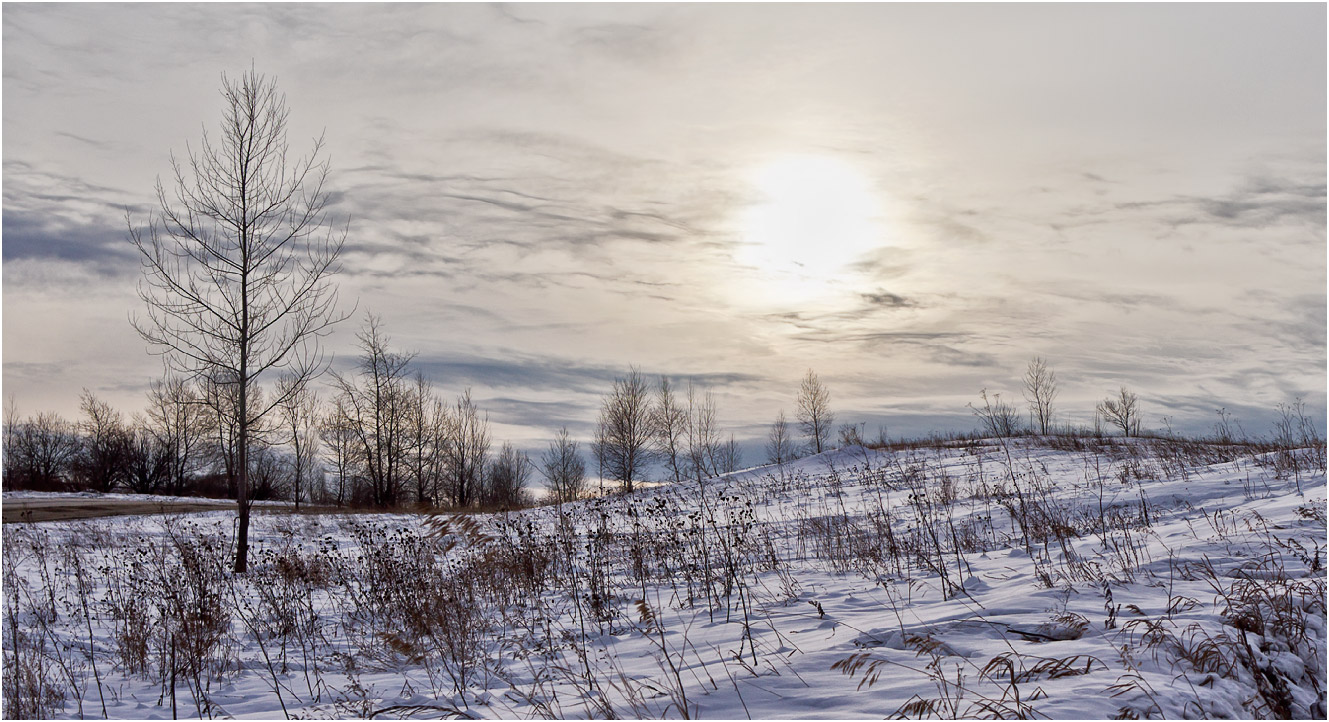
563 468
851 435
1000 420
1122 411
298 413
702 434
779 444
669 422
626 429
509 472
814 412
1040 390
238 263
731 456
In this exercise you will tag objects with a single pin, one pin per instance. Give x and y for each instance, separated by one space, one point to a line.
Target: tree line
379 436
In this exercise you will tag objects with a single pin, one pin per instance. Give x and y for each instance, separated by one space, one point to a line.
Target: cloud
98 249
577 416
513 370
884 299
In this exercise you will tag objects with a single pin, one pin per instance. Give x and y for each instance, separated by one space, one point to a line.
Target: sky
913 200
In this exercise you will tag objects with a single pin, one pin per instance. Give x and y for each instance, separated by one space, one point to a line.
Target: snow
1202 595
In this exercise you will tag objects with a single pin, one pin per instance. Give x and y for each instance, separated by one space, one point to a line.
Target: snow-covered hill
1094 579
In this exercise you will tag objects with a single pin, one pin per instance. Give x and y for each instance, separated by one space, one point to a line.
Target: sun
812 216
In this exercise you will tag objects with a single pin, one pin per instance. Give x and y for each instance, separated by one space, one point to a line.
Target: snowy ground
1142 580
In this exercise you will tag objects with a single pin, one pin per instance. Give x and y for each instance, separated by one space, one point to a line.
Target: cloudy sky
913 200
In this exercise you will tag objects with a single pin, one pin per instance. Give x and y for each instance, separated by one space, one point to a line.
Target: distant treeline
382 436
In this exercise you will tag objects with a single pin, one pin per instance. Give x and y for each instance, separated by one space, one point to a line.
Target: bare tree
670 426
238 262
177 417
106 441
625 424
505 484
149 459
779 444
730 456
298 413
428 426
564 468
851 435
467 452
703 434
10 451
1040 390
814 411
43 450
338 439
598 449
1123 412
1000 419
376 401
268 475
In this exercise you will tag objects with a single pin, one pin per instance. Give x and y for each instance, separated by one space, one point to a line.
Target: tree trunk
242 482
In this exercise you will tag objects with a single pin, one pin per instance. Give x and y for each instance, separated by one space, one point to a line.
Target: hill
1032 578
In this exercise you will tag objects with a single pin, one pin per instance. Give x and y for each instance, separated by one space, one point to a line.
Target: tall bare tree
625 426
1122 411
730 456
239 259
1040 390
814 411
427 426
9 455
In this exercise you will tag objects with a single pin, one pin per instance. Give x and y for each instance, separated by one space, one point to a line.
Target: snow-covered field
1094 580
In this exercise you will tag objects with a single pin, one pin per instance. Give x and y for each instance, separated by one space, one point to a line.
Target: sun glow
813 216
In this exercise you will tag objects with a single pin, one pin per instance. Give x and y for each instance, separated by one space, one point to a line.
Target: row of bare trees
998 418
641 426
184 443
1120 411
392 439
383 438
